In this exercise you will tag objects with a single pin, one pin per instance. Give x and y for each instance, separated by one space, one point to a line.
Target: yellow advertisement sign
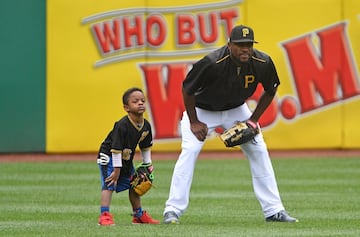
100 49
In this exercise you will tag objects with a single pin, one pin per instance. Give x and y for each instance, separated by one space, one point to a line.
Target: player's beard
240 60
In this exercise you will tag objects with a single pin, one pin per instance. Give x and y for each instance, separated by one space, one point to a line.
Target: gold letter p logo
245 32
248 80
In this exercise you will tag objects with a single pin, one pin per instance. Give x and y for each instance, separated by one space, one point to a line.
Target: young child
115 158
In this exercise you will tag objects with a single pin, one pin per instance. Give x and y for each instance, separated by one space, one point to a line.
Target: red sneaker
106 219
144 219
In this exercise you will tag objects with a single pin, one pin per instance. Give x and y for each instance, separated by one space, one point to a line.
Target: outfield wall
22 81
95 50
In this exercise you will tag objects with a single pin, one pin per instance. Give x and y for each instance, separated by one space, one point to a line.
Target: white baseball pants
263 177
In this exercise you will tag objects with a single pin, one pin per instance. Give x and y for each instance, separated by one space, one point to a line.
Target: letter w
107 36
165 99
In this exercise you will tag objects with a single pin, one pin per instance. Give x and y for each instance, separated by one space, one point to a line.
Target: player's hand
113 177
199 129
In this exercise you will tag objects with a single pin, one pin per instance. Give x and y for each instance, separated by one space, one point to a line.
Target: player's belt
218 108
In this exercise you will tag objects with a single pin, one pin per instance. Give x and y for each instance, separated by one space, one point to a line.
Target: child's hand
113 177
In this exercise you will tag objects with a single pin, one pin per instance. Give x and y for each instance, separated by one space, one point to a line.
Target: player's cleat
171 218
281 216
144 219
106 219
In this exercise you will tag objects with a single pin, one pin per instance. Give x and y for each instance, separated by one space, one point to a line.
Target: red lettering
127 32
228 16
208 38
155 30
133 31
186 29
108 37
165 100
325 79
206 27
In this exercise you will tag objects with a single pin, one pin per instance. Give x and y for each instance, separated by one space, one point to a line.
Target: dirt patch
231 154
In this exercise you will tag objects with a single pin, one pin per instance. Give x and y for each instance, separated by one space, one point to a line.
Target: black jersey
219 84
125 137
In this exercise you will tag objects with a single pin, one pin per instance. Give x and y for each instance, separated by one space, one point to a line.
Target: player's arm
146 155
198 128
270 85
189 101
263 103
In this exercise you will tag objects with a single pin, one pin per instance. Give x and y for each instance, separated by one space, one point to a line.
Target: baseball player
116 154
214 93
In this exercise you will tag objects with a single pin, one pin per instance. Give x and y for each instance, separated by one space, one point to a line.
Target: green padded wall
23 75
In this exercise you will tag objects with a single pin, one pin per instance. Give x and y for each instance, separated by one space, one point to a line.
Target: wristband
251 123
116 160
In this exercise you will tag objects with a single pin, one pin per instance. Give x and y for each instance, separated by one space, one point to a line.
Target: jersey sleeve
195 78
148 140
271 79
119 134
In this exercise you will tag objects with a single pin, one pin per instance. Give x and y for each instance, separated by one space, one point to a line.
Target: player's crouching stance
115 159
215 92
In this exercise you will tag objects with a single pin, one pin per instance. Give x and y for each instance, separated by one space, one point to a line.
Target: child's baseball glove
143 178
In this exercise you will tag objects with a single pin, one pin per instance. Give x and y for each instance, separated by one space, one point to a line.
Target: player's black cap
241 34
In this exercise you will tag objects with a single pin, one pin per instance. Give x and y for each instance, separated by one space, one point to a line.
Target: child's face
136 103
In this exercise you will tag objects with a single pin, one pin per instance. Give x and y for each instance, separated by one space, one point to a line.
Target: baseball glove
239 133
143 178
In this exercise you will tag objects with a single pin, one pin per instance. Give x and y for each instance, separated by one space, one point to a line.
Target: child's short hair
127 94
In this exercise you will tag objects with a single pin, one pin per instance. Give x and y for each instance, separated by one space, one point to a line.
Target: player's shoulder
218 55
122 121
260 56
147 123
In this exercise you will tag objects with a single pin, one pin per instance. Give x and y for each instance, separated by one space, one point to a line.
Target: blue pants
123 181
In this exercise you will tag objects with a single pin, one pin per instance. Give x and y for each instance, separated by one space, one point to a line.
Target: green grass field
62 199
